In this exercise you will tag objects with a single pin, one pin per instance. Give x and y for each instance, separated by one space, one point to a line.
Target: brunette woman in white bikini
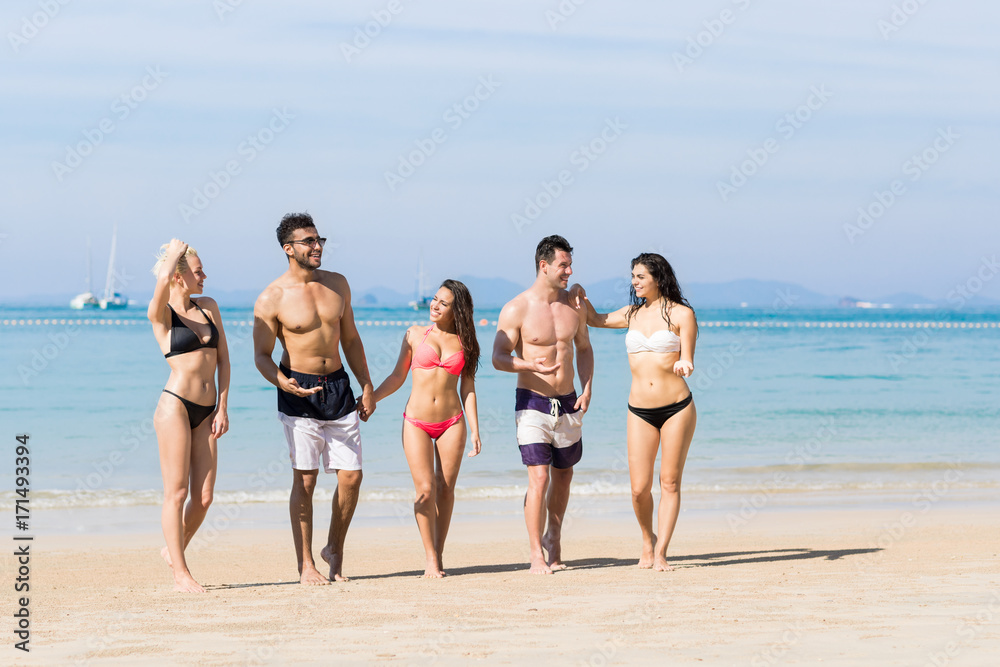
661 336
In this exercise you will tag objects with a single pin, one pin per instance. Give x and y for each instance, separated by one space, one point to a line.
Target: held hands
477 445
683 368
366 404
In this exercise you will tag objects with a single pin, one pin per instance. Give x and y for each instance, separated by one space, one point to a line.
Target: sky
846 146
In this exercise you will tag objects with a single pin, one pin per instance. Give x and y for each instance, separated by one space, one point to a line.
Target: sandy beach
887 586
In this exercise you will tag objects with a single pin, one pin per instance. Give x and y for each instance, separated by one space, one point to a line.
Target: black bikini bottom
196 413
656 417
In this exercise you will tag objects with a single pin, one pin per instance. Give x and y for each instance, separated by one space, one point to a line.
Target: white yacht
87 299
422 301
112 300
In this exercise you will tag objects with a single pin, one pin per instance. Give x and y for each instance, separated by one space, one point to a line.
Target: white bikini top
663 340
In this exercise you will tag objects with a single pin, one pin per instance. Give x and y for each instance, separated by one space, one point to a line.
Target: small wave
895 486
861 467
765 479
890 378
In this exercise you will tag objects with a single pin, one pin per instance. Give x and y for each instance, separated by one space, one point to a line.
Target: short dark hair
290 223
547 249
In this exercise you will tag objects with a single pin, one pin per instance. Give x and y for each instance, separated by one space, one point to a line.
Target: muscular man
309 311
541 327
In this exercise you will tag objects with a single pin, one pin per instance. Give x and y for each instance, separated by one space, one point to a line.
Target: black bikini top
183 339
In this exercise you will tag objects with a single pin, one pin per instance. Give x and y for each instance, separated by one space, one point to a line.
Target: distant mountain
491 292
240 298
906 300
757 294
486 293
974 301
614 293
381 297
605 294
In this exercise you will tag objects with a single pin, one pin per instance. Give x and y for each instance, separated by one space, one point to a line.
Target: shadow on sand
771 556
679 562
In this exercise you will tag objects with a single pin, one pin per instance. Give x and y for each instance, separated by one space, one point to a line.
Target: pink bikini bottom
434 429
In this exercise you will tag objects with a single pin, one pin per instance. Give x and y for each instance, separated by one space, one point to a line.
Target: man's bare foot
539 566
660 564
336 563
646 559
165 555
312 577
554 549
185 583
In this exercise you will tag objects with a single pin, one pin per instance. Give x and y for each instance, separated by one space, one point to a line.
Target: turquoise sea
794 405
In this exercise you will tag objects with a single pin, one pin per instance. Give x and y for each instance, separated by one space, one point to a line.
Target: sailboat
422 301
112 300
87 299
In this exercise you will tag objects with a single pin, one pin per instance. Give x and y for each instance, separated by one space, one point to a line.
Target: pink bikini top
425 357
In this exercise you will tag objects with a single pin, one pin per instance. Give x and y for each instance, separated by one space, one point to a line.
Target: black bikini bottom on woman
196 413
656 417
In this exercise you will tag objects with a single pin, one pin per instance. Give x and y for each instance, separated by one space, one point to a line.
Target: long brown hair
465 325
666 283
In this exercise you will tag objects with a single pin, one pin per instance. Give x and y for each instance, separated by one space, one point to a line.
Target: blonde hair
182 264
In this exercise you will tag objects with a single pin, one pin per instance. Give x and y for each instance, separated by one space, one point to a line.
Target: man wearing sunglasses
309 311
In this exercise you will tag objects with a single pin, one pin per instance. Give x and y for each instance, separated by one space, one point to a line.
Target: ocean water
840 404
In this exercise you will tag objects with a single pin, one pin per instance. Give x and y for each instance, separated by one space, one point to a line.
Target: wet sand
862 586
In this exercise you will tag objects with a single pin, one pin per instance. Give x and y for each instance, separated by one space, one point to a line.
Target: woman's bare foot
165 555
660 564
185 583
311 576
336 563
539 566
433 570
646 559
554 548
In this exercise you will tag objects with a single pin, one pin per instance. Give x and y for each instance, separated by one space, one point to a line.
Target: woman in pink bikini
444 358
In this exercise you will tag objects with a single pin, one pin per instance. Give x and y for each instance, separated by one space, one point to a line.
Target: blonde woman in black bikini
661 336
190 415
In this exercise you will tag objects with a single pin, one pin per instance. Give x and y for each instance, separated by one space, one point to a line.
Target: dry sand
793 587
